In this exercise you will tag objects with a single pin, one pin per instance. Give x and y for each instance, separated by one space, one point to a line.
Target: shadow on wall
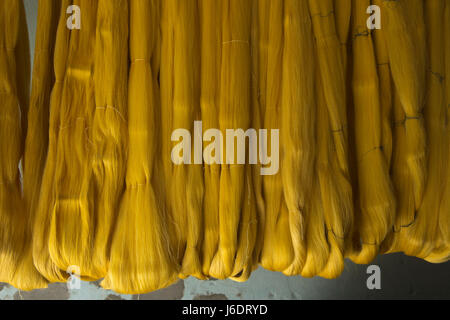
401 277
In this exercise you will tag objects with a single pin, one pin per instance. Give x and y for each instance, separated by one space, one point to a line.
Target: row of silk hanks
354 95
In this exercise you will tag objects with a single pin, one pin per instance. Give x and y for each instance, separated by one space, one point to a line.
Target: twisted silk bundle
144 256
15 233
163 139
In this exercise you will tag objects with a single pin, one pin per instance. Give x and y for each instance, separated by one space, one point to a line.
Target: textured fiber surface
401 277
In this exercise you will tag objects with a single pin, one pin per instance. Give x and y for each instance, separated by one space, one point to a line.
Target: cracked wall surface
401 276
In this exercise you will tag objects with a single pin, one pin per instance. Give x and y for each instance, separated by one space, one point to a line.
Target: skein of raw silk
251 229
187 179
401 175
13 218
444 214
211 33
25 275
247 233
158 172
141 260
315 240
331 66
176 232
41 223
36 143
109 124
234 113
422 235
259 41
256 124
441 251
335 189
401 178
318 250
334 203
176 219
376 198
72 212
385 87
211 29
298 124
335 194
407 67
318 254
416 14
248 241
277 252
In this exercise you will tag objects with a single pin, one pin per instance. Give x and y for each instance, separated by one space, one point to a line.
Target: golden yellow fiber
324 256
108 132
257 123
14 97
376 198
271 33
41 225
385 87
343 13
180 98
334 201
297 123
407 65
422 235
36 143
188 188
26 276
141 261
176 233
331 64
277 252
72 211
248 226
319 256
402 181
211 31
444 214
402 175
443 253
263 11
235 98
364 139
